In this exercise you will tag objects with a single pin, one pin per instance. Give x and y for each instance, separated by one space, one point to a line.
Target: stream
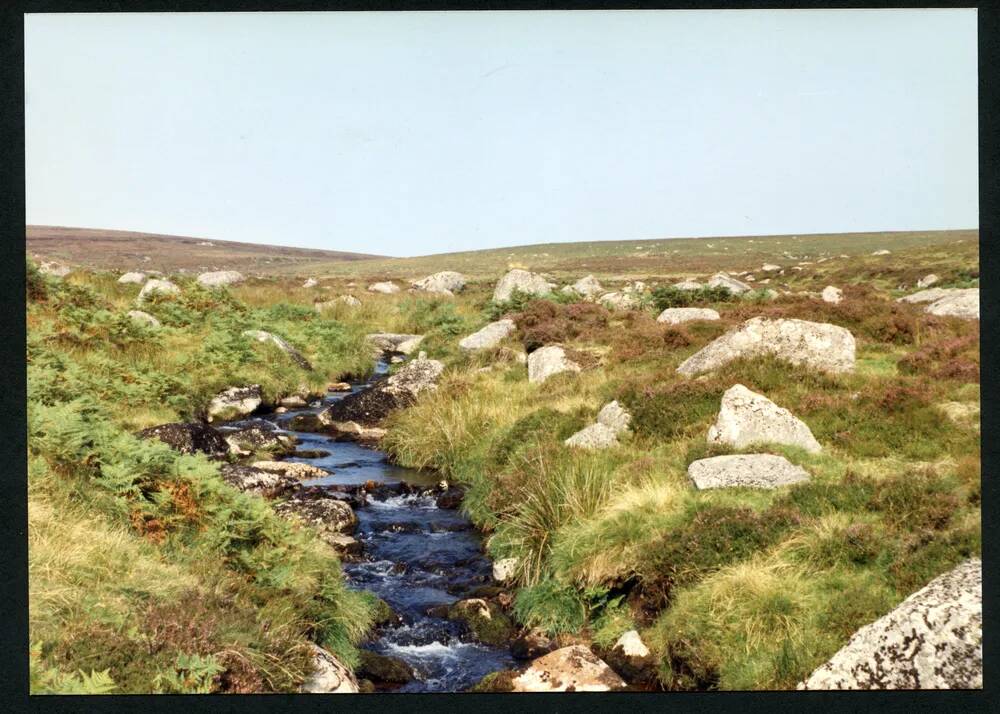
415 556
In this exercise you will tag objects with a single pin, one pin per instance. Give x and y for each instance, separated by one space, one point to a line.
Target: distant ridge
132 250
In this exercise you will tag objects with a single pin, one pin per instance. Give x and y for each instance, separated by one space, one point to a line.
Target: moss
502 681
494 628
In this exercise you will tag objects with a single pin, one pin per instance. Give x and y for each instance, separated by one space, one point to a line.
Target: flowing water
415 556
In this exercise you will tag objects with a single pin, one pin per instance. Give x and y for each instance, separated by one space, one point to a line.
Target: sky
418 133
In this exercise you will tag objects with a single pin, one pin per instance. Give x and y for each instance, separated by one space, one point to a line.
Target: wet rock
446 282
311 454
389 342
292 468
484 620
135 278
747 418
493 682
386 288
157 287
235 402
928 280
573 668
826 347
266 483
489 336
677 315
351 430
531 645
293 401
383 669
259 436
632 660
722 280
143 317
451 498
522 281
310 423
932 640
220 278
384 615
189 438
370 405
832 294
324 512
281 344
548 361
329 676
745 471
595 436
338 387
963 304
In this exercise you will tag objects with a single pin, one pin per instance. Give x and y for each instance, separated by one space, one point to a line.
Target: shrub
543 322
669 296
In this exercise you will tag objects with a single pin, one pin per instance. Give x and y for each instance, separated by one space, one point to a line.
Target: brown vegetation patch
544 322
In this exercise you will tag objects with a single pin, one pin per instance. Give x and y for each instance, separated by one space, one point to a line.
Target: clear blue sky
416 133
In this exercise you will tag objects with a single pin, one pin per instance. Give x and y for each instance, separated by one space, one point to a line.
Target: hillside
130 250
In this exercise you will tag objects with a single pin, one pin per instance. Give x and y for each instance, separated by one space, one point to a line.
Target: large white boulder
386 288
158 287
932 640
523 281
235 402
826 347
547 361
446 282
745 471
137 278
489 336
927 280
722 280
929 295
220 278
964 303
614 416
677 315
330 675
574 668
587 287
747 418
595 436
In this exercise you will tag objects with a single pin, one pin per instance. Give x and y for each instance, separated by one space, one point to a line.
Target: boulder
505 569
932 640
815 344
251 480
258 436
722 280
522 281
356 432
446 282
489 336
189 438
929 295
235 402
677 315
310 283
368 406
293 401
881 252
322 511
158 287
547 361
688 285
747 418
573 668
294 354
137 278
745 471
220 278
614 416
292 468
632 660
964 303
832 294
382 668
484 620
927 280
595 436
386 288
329 675
587 287
620 301
143 317
389 342
770 267
338 387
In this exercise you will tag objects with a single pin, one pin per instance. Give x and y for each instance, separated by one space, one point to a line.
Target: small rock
504 569
382 668
489 336
614 416
930 295
251 480
189 438
721 280
832 294
484 620
745 471
531 645
54 269
310 283
368 406
220 278
548 361
632 660
385 288
234 402
158 287
138 278
338 387
927 280
587 287
595 436
747 418
293 402
677 315
143 317
294 354
881 252
388 342
770 267
292 468
329 675
320 510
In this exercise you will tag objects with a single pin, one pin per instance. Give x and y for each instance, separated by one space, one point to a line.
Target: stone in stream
292 468
338 387
281 344
747 418
745 471
522 281
235 402
220 278
382 668
389 342
189 438
548 361
137 278
574 668
157 287
321 510
677 315
293 401
932 640
484 620
368 406
329 676
829 348
143 317
258 436
266 483
489 336
446 282
505 569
